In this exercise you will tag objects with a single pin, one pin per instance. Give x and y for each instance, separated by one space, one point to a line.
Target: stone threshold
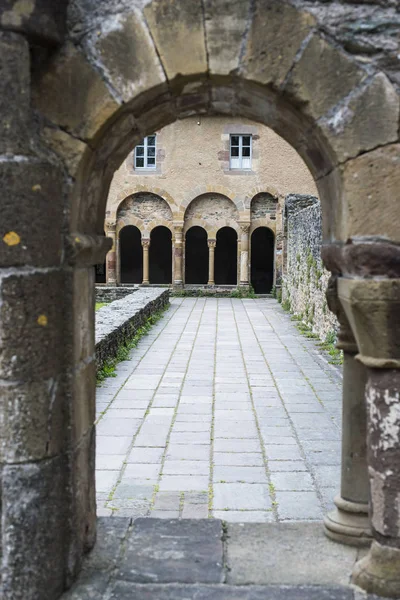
209 559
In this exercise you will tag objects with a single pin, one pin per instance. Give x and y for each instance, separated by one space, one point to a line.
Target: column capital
244 226
372 307
178 226
212 243
110 226
146 242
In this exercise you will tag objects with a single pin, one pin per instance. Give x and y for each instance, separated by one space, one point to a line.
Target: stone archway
100 83
262 260
160 255
226 257
196 256
131 255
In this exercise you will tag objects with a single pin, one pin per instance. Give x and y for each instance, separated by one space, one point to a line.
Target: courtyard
223 410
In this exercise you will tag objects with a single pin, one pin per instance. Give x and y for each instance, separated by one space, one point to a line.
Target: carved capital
244 227
146 243
372 307
110 226
375 257
212 243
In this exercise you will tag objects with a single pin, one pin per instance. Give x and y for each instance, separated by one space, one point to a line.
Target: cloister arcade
217 242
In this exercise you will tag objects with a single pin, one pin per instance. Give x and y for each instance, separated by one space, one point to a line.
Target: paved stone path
223 410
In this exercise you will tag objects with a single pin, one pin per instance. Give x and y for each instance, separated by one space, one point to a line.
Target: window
240 155
145 153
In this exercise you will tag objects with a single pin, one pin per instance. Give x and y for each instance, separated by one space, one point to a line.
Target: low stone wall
108 293
305 278
118 322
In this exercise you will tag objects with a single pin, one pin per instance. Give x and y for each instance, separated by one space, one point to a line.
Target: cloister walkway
224 410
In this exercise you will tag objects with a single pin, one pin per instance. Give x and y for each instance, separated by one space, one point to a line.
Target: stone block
368 119
83 113
14 83
25 238
32 316
337 76
173 551
33 419
226 22
83 402
170 25
370 185
83 314
35 523
127 55
69 148
277 31
286 554
39 20
123 590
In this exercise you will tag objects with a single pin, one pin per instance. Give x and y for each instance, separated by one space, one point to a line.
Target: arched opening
262 260
160 255
196 256
100 271
226 257
131 255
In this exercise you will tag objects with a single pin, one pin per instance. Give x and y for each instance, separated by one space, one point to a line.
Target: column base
379 572
348 523
211 283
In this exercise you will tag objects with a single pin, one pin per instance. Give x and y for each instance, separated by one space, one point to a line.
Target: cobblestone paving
224 410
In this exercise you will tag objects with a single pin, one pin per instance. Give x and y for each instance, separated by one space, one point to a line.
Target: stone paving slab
163 551
186 559
224 398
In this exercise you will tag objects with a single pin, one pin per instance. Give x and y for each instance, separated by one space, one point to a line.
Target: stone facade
88 82
170 195
305 278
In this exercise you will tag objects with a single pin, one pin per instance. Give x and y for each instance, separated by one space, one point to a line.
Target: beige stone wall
193 158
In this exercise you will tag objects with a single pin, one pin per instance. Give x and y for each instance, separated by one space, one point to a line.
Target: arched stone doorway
160 255
302 96
131 254
262 260
196 256
226 257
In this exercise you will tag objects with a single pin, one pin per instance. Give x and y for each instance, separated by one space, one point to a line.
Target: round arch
160 255
262 260
130 254
312 92
196 256
212 211
226 252
129 191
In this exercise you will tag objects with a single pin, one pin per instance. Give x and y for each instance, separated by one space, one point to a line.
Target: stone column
372 307
111 259
146 246
349 522
244 254
178 254
211 256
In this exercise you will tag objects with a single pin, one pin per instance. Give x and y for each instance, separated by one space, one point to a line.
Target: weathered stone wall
118 322
262 206
305 278
110 293
145 207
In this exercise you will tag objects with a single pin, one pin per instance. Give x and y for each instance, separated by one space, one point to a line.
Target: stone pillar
146 246
349 522
211 256
244 254
178 255
111 259
372 307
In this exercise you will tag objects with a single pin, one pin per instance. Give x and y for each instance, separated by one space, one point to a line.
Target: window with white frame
145 153
240 152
